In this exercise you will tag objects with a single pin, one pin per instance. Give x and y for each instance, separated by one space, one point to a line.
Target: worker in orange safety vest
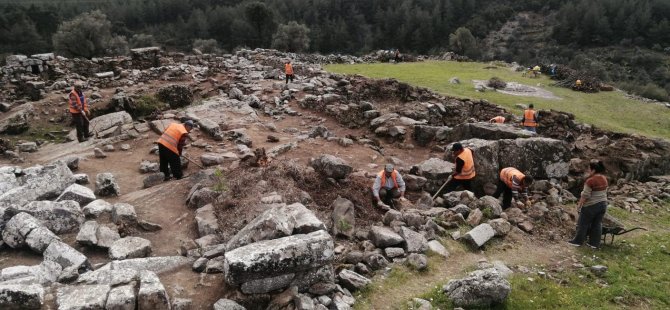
387 186
170 147
288 69
464 172
78 106
511 182
529 120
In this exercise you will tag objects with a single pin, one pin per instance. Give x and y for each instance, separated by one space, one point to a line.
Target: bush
207 46
496 83
142 40
146 105
649 90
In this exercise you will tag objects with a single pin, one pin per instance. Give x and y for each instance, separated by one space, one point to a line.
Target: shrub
146 105
496 83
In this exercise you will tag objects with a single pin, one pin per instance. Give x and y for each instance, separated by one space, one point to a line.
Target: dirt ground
164 204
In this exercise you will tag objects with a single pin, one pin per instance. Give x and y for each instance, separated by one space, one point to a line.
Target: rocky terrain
280 215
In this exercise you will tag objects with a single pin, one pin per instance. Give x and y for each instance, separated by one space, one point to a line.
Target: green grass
608 110
637 275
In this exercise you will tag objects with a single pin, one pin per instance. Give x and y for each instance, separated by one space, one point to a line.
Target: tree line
89 28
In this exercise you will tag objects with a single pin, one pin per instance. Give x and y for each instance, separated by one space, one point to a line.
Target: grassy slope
609 110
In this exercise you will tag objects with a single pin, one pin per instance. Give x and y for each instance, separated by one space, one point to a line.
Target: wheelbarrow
612 227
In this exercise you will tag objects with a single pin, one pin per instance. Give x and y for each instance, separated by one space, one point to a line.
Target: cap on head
456 147
189 123
388 168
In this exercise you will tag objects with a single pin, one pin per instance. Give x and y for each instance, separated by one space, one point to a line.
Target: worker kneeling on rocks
511 182
388 185
170 146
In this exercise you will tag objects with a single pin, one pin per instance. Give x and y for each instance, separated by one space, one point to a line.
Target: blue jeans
590 223
533 129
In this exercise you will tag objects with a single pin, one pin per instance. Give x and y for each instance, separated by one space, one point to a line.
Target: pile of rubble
41 203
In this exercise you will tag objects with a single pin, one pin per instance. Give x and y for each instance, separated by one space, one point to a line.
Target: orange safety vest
76 106
289 69
508 173
468 171
171 136
394 176
498 119
529 118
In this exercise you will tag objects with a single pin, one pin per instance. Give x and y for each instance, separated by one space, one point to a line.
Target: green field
608 110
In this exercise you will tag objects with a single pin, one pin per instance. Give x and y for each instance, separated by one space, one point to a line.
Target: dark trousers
455 183
289 77
169 161
81 124
506 192
590 223
387 196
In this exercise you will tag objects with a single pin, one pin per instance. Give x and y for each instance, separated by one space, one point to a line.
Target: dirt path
523 253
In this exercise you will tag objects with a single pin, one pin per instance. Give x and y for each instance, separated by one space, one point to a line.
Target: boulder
97 208
106 236
489 206
154 264
147 166
417 261
59 217
487 131
206 220
66 256
105 185
392 216
28 147
383 237
81 194
435 169
376 261
475 217
40 183
201 197
352 281
501 226
18 228
330 166
21 296
543 158
343 217
279 221
124 213
414 182
211 159
414 241
39 239
82 297
153 180
88 233
176 96
110 120
479 235
283 256
394 252
130 247
481 288
152 293
121 298
437 248
227 304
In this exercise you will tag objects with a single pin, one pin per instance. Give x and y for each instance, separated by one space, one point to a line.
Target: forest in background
634 33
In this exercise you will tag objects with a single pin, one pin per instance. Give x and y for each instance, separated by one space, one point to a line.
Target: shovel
443 185
192 161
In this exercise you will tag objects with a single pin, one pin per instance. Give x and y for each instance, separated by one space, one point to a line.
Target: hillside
608 110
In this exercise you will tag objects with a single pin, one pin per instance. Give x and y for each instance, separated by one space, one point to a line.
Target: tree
262 19
464 43
87 35
291 37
